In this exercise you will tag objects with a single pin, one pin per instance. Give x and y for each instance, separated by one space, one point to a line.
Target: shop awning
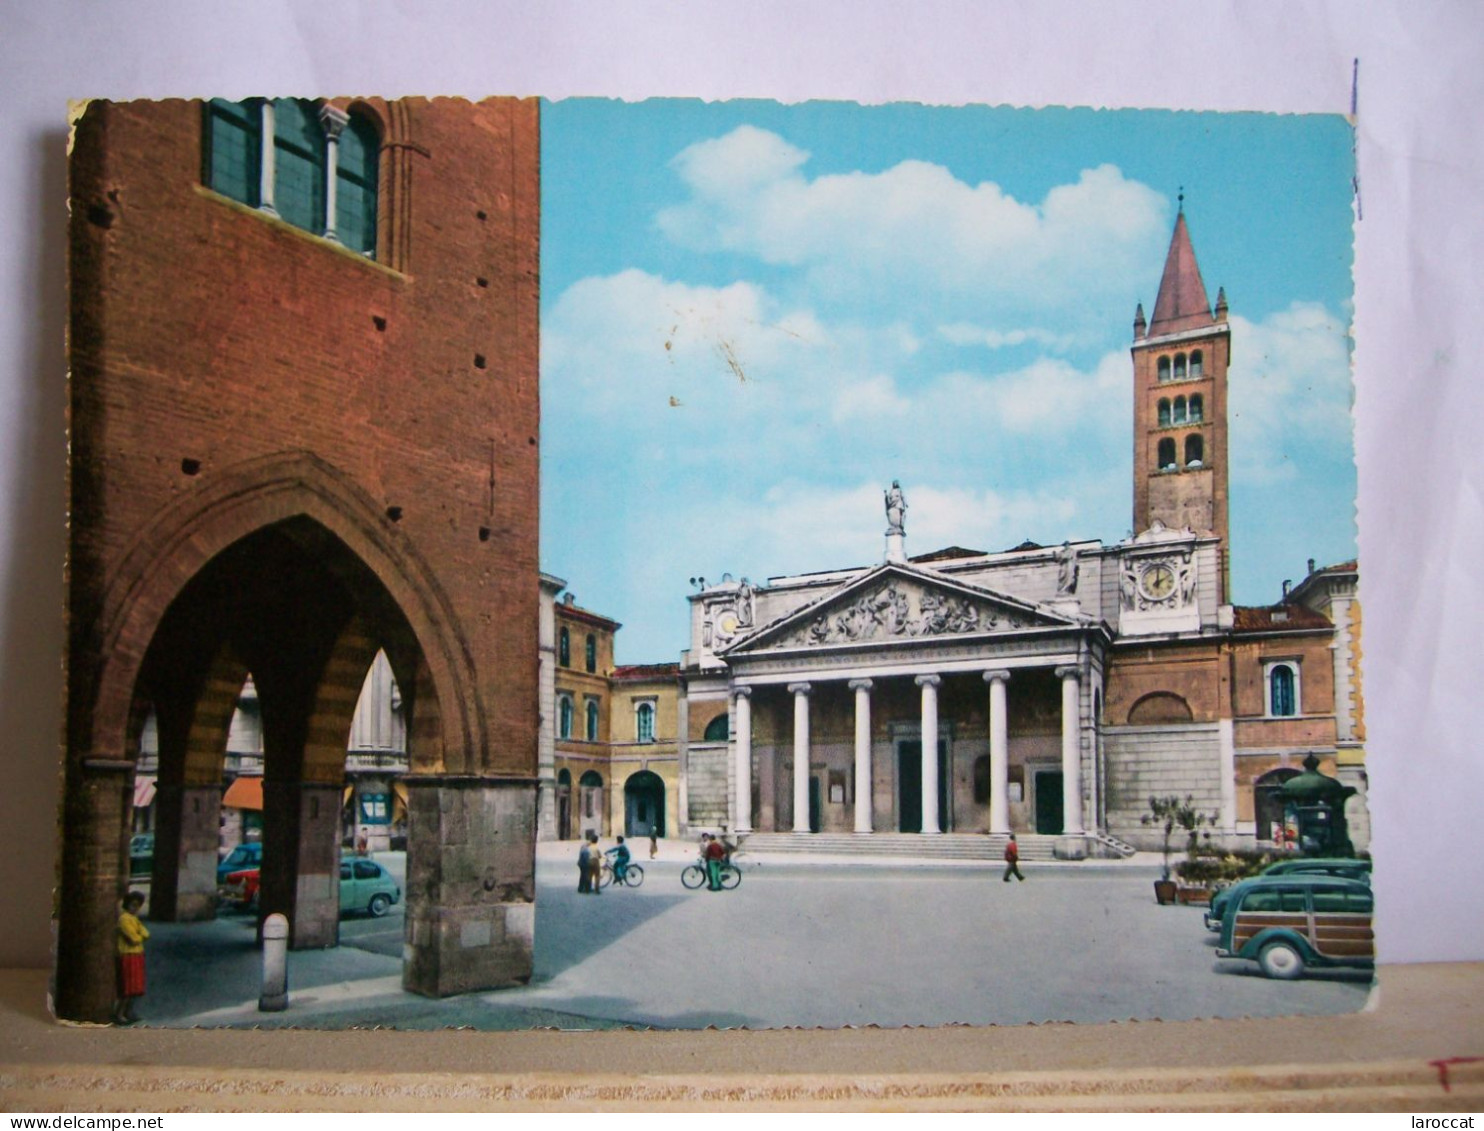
144 791
399 802
244 793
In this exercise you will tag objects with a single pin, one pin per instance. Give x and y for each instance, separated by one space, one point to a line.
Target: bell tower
1180 361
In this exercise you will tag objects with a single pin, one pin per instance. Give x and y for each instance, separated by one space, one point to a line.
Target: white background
1419 391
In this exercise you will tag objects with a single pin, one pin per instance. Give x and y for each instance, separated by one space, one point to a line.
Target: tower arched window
1162 369
1167 454
1194 450
298 164
590 652
1195 363
232 149
564 649
564 716
1178 416
1197 409
1164 412
1179 367
592 720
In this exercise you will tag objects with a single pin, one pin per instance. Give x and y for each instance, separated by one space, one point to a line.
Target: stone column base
1070 847
471 883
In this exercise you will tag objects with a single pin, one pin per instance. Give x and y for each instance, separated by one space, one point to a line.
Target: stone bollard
275 995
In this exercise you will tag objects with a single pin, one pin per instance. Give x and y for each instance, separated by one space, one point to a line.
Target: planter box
1193 895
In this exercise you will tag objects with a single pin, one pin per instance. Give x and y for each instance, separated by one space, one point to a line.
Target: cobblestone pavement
795 945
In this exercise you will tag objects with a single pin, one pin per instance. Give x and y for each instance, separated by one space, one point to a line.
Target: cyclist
715 854
621 858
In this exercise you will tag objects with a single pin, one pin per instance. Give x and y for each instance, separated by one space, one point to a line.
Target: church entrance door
909 785
1048 802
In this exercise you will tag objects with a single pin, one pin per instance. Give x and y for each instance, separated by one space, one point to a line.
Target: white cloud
915 227
968 334
874 397
1290 390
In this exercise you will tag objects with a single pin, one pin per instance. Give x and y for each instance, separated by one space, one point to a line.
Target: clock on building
1157 582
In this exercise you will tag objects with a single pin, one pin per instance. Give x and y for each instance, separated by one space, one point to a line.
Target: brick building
1042 690
304 411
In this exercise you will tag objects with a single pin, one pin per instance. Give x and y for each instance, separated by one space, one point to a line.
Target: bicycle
695 875
633 875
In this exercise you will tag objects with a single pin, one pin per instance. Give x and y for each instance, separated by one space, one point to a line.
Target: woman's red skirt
131 975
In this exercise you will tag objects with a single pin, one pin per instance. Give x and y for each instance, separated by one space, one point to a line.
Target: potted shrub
1167 814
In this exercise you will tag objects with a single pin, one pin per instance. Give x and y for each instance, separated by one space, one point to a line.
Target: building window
1167 454
718 729
232 148
309 164
1197 409
1162 369
592 720
592 652
1282 689
564 649
564 716
1195 363
1178 416
356 171
644 722
1195 450
1164 412
1179 367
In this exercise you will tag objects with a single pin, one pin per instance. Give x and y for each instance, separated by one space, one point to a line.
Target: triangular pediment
899 604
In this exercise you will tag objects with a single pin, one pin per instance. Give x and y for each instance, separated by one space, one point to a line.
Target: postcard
589 564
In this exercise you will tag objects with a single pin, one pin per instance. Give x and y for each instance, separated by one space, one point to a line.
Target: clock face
1158 582
727 623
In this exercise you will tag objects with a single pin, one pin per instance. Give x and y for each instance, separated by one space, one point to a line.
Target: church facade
1044 691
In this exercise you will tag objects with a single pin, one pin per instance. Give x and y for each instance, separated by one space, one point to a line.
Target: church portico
855 753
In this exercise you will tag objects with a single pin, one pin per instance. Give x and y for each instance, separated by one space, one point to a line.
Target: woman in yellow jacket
131 936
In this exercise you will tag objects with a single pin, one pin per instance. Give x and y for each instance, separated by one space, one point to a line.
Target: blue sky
755 316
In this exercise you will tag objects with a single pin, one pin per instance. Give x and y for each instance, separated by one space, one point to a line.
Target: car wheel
1281 960
380 904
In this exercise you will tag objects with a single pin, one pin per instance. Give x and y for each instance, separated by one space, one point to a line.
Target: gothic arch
246 499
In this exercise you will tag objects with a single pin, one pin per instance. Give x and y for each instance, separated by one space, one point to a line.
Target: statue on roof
896 509
1066 570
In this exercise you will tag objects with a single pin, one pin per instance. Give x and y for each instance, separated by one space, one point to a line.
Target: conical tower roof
1182 302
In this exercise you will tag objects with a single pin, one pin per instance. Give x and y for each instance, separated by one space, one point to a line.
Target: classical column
929 685
862 689
332 121
999 752
743 762
268 161
1071 752
801 756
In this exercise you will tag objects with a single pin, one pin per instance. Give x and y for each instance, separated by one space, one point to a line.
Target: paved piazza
795 945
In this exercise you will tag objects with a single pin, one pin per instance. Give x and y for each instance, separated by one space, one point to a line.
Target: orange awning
244 793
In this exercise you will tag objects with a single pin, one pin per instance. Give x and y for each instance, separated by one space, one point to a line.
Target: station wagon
1287 923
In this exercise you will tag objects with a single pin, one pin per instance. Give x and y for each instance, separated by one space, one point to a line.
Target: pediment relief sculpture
895 611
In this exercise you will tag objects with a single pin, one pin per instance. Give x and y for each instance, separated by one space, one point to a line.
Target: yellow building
612 731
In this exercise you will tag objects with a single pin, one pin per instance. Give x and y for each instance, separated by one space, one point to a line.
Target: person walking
584 866
130 944
595 865
1012 860
654 843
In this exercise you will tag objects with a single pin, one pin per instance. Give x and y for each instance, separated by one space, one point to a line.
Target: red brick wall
203 330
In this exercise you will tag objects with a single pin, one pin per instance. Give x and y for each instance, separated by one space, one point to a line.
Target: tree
1170 813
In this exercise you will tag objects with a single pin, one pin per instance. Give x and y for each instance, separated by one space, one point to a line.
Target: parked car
1287 923
366 885
141 854
1349 867
241 887
248 855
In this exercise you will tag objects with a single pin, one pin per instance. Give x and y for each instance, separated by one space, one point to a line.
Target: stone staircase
946 846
